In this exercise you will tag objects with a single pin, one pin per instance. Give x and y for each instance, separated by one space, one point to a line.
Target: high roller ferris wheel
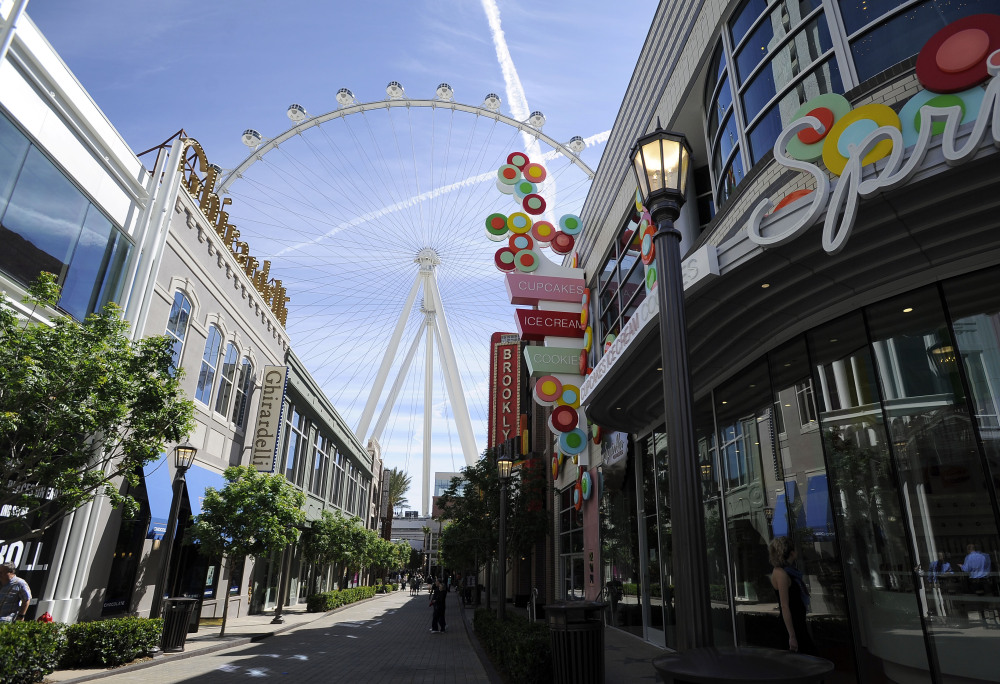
366 207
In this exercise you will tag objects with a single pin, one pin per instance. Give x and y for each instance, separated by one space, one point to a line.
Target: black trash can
727 665
176 623
576 632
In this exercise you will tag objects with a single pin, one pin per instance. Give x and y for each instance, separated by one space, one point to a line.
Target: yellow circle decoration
584 317
519 223
588 338
570 396
853 127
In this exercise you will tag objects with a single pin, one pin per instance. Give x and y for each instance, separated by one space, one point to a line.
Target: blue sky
216 68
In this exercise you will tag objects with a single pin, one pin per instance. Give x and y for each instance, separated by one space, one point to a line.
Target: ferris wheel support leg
453 380
383 370
428 413
390 402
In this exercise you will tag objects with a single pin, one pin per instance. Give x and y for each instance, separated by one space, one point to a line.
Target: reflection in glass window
794 58
824 79
177 325
745 17
209 362
619 547
901 36
621 281
781 21
13 149
226 379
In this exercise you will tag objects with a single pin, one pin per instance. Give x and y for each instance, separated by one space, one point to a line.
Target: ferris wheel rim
297 128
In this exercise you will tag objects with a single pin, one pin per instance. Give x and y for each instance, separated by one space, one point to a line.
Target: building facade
843 347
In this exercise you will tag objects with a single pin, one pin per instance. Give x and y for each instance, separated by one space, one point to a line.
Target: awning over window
819 515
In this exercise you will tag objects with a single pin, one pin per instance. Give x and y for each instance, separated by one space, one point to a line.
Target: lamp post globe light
183 459
660 161
505 464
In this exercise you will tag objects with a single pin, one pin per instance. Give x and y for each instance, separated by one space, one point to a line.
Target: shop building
77 202
843 349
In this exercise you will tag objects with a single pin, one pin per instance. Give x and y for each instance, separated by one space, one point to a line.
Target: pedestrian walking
15 595
439 596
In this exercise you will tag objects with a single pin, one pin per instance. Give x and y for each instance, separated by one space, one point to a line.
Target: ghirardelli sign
269 415
505 388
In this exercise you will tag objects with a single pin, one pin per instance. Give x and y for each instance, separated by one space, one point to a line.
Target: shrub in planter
520 650
328 600
110 642
30 650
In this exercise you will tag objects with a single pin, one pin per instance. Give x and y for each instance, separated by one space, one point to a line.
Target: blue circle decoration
573 442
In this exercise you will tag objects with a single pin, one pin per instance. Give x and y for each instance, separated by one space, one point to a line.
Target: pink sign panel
527 288
535 324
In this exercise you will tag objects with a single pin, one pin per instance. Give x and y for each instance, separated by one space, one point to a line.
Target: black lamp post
183 459
660 161
504 466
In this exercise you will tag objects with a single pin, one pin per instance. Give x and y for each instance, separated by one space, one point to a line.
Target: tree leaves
82 407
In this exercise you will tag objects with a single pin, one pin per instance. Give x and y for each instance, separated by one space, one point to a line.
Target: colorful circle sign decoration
543 231
519 242
518 159
851 129
577 497
519 223
562 243
504 259
969 101
526 260
586 485
570 224
570 396
650 277
534 172
496 226
548 389
648 248
573 442
508 174
828 108
564 418
956 57
555 467
534 204
588 338
584 366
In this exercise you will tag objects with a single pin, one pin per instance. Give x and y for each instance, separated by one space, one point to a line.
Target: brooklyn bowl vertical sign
505 388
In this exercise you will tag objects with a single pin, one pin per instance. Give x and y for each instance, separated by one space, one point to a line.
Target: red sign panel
536 324
505 388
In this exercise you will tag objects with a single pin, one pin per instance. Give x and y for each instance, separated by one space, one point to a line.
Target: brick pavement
383 640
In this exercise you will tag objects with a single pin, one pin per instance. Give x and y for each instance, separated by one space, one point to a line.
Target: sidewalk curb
239 641
484 660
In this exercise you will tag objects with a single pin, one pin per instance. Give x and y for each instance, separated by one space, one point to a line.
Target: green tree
472 505
255 514
82 408
337 540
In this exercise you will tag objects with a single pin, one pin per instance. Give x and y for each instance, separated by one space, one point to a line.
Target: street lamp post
660 161
183 458
504 466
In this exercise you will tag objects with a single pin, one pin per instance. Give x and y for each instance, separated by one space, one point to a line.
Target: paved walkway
385 640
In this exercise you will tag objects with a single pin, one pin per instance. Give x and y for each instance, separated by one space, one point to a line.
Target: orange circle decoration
562 243
548 389
526 260
533 204
588 338
789 198
570 224
519 223
504 259
534 172
584 366
543 231
585 300
564 418
851 129
519 242
508 174
555 467
955 58
648 249
577 497
807 145
518 159
596 434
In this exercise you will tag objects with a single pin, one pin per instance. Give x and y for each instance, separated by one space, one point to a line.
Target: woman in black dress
793 597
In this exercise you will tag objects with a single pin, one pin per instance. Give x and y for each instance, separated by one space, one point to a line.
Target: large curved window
723 131
209 362
177 325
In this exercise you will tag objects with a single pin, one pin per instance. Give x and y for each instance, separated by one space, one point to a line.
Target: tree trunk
225 596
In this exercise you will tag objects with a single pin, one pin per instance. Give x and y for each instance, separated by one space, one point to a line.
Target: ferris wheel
372 215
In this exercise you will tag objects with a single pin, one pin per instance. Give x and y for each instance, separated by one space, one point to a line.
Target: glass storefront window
656 508
620 547
941 476
570 548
